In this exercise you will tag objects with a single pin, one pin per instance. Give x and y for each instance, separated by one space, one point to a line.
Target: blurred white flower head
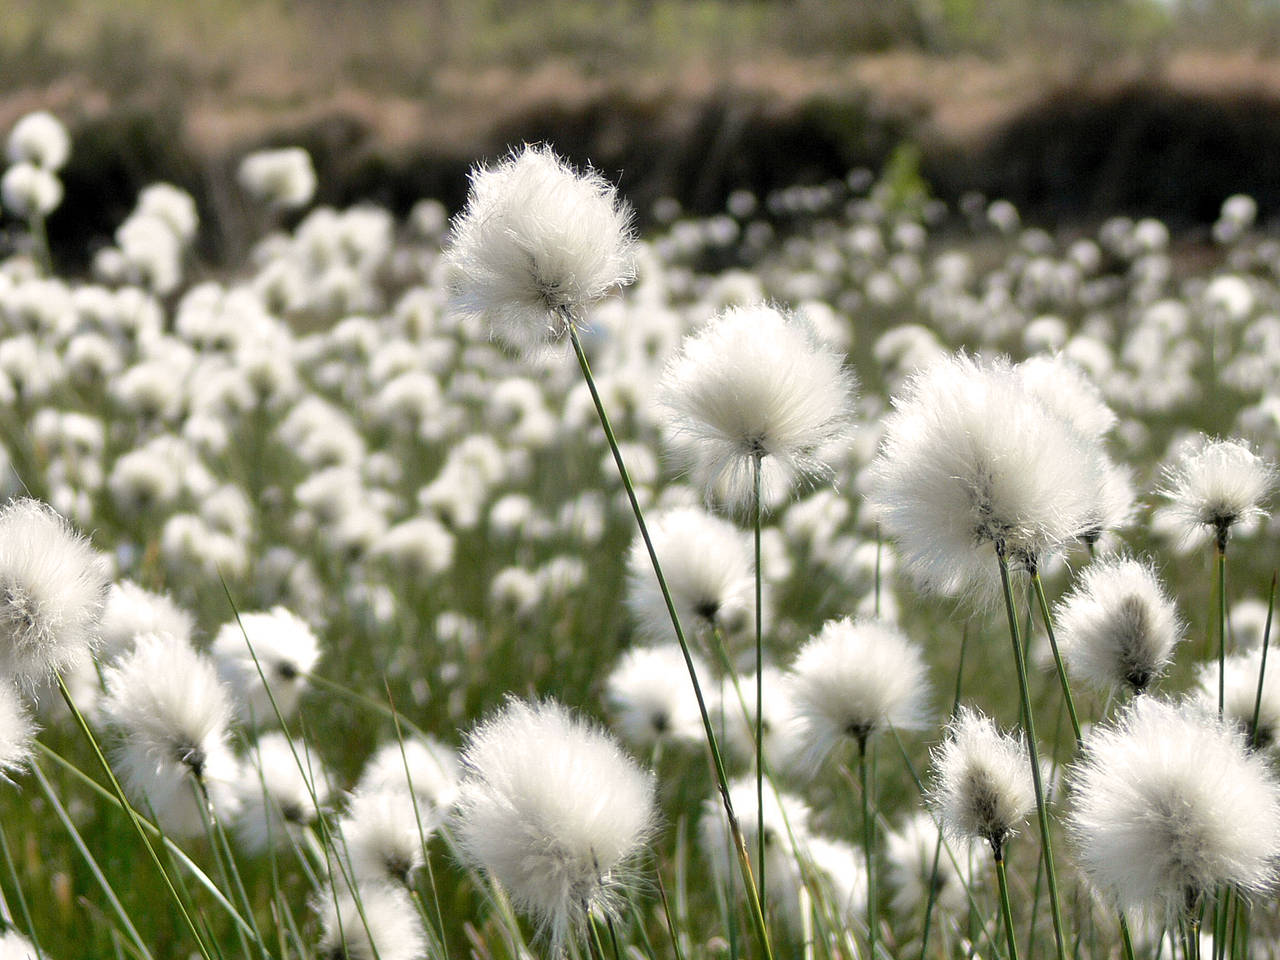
281 178
41 140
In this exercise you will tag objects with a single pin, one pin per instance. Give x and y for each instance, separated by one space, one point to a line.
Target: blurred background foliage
1072 109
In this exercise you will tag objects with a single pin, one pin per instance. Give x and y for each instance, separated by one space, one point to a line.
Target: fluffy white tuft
650 699
553 810
1240 696
52 586
379 922
756 382
1214 486
17 731
1118 626
171 714
425 766
285 649
971 460
853 679
982 788
383 833
281 790
132 610
910 851
537 244
708 566
40 139
1167 804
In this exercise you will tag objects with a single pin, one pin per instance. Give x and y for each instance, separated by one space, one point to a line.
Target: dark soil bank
1073 156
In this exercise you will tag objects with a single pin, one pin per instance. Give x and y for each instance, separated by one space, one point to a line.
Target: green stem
1029 726
131 814
755 472
868 844
1221 558
1006 910
722 780
666 913
1262 667
90 862
1126 941
1057 658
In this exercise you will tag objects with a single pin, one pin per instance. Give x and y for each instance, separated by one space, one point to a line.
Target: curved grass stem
1037 780
755 907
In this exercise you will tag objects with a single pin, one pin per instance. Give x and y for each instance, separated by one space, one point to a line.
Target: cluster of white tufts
365 436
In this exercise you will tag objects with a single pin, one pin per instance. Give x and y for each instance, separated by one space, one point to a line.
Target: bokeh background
1072 109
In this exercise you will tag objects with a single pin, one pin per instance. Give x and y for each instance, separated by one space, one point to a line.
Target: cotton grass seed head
971 463
709 569
17 732
649 703
377 922
756 383
853 679
1214 486
1118 626
1167 804
171 714
982 781
1241 702
40 139
553 810
536 246
277 646
52 586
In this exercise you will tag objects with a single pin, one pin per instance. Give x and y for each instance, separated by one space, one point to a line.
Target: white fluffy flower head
537 244
1118 626
854 678
708 566
52 586
40 139
649 703
165 701
278 643
553 810
972 460
1214 486
1167 804
756 383
983 788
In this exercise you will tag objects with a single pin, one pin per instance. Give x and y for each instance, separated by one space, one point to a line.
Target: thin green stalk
1220 556
937 847
755 471
1262 667
131 814
1193 938
666 912
1126 941
170 847
722 780
22 900
1006 910
868 843
90 862
1057 657
1029 726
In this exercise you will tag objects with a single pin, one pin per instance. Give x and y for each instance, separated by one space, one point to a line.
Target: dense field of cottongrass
330 619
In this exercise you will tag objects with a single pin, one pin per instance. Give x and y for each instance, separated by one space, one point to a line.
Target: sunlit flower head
1167 804
756 384
553 810
1215 486
1118 626
536 246
972 463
